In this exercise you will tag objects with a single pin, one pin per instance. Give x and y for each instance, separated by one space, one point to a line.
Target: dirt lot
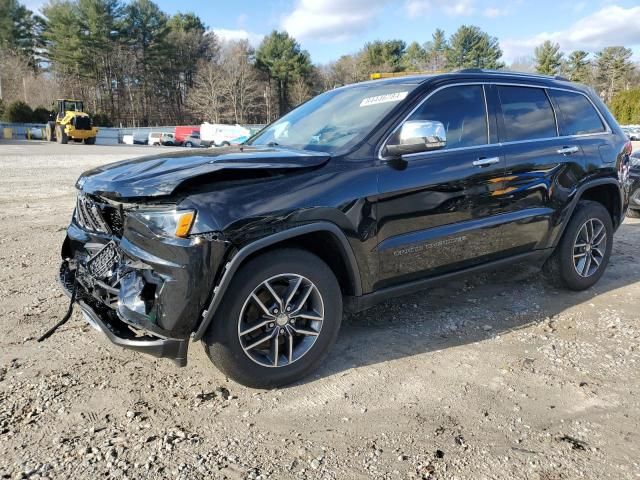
494 377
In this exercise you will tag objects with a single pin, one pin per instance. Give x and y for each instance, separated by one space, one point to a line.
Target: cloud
613 25
494 12
453 8
337 20
227 34
332 20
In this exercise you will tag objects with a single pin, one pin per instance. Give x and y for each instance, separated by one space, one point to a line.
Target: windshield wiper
273 144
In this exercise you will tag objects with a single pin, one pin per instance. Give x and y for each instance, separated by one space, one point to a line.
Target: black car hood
160 175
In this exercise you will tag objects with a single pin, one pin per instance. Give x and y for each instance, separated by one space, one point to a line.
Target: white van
218 134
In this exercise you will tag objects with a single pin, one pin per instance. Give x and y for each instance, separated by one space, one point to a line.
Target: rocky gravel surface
498 376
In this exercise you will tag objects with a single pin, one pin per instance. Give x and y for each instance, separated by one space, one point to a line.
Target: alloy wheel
281 320
589 247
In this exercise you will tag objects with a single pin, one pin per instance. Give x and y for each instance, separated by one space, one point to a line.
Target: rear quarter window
577 114
527 114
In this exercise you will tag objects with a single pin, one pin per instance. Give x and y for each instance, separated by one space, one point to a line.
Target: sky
331 28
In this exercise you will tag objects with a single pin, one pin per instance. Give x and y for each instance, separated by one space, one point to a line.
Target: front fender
232 267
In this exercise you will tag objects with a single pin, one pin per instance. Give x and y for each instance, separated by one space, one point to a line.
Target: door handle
568 150
483 162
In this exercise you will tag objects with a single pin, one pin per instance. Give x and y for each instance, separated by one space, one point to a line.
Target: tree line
135 65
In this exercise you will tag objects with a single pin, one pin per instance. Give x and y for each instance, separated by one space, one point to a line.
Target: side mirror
417 136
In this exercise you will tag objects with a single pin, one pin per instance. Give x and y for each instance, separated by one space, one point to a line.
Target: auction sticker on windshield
388 97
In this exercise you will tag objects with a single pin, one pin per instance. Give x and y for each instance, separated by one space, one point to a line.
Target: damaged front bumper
120 333
151 297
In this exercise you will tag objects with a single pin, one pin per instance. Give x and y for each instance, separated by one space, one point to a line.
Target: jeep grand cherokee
363 193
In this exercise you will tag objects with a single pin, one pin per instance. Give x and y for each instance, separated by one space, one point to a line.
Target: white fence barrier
106 136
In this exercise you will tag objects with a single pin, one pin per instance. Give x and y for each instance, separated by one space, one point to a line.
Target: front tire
61 136
582 255
280 316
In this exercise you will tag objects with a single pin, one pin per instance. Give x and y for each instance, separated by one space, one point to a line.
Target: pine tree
436 50
415 57
578 68
470 47
548 58
18 29
282 58
613 70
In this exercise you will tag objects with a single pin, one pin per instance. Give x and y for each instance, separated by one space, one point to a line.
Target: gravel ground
498 376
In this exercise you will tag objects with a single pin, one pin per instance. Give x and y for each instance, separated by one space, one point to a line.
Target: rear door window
527 113
577 114
462 111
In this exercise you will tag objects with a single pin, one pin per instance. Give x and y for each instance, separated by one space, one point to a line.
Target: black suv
363 193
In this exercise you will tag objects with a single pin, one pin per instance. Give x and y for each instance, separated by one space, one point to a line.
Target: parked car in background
632 132
155 138
135 138
192 140
361 194
168 140
220 135
182 132
634 200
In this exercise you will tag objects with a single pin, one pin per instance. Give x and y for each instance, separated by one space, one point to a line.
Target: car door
543 167
438 211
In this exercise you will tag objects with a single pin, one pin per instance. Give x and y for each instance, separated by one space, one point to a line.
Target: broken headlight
167 223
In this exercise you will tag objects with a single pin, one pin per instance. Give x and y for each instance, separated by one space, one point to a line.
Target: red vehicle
185 131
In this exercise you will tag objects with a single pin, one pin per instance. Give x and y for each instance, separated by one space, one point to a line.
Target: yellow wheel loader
71 123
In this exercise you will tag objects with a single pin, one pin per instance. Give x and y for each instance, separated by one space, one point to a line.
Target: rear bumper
73 132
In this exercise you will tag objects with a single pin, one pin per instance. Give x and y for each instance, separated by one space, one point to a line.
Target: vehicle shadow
469 310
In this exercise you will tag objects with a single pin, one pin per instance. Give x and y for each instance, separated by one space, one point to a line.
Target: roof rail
515 74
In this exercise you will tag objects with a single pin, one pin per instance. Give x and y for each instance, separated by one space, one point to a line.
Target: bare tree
240 81
205 99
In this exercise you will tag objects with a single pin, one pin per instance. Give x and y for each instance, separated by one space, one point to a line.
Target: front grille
98 216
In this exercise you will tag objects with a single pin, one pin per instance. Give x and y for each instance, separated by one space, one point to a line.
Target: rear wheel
582 255
188 144
225 144
50 131
61 136
90 141
280 316
633 213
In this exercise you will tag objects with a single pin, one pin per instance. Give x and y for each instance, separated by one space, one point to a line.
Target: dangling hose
66 317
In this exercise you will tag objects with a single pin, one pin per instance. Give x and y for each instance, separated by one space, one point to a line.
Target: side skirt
364 302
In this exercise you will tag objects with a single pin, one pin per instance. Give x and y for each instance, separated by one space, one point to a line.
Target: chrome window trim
486 112
607 127
553 109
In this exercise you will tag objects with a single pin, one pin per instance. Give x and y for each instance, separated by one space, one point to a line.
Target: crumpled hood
159 175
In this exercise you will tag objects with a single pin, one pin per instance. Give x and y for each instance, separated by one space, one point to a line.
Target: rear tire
188 144
633 213
289 332
90 141
582 255
50 131
61 136
225 144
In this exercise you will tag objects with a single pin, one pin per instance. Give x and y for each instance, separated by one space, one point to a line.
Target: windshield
334 120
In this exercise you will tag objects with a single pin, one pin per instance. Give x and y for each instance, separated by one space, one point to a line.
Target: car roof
475 73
